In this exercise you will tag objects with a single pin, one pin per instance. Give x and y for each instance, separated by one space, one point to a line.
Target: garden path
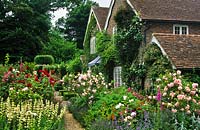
70 122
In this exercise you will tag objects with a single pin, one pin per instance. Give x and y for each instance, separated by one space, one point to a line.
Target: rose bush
21 85
86 85
178 94
123 107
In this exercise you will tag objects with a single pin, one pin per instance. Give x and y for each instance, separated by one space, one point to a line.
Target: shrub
88 86
74 66
44 59
119 105
178 94
63 70
79 109
155 62
22 85
102 124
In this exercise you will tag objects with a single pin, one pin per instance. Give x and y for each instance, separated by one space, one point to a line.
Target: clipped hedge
44 59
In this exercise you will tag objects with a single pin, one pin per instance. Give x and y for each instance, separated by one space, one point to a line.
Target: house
173 25
96 22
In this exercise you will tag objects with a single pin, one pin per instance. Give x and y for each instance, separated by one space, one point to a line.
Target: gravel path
70 122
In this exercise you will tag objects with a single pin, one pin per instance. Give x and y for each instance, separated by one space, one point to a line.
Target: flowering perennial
30 114
178 94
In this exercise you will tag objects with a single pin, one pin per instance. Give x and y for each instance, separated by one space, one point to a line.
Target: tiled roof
182 50
173 10
101 14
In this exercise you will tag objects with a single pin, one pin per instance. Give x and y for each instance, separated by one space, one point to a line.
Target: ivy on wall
107 50
127 41
155 62
89 33
128 37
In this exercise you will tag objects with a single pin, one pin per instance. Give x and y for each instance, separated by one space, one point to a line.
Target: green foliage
24 28
76 22
192 75
128 37
3 69
89 32
7 58
103 40
123 17
74 66
127 41
107 50
29 66
134 76
79 109
108 62
63 70
44 59
85 87
101 124
155 62
59 48
116 105
178 94
166 120
22 85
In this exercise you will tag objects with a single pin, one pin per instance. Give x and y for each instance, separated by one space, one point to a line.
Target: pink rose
174 110
180 97
194 100
180 88
187 107
166 88
188 112
193 93
164 94
170 85
177 81
187 89
172 94
195 85
182 109
177 104
149 97
188 98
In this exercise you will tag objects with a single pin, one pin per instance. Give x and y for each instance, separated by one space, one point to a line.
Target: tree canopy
24 26
59 48
74 25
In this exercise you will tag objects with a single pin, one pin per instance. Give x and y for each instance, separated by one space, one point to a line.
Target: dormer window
180 29
92 45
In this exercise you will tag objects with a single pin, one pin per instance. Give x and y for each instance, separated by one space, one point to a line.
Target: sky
103 3
61 12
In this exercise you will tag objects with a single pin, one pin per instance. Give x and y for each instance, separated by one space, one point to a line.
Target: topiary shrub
44 59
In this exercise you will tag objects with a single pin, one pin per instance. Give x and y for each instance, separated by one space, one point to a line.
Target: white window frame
114 30
181 31
117 74
93 45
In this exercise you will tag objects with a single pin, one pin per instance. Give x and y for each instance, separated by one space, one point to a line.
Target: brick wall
164 27
119 4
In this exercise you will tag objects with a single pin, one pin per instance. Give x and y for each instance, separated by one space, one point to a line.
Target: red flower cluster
45 72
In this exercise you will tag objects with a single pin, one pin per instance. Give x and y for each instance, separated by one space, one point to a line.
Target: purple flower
159 95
